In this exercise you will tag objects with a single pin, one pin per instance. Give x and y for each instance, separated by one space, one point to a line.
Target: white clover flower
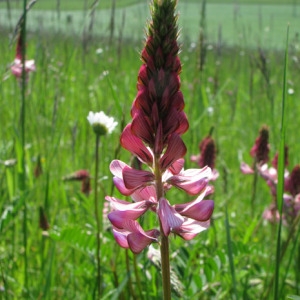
101 123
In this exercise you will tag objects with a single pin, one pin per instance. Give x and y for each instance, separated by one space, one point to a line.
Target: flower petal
134 179
119 183
190 228
118 217
135 145
177 166
141 128
117 204
176 149
145 193
246 169
121 237
138 241
199 210
134 237
116 167
168 216
192 181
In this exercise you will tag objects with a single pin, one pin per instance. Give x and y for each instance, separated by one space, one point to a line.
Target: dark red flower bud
208 152
261 148
44 225
292 184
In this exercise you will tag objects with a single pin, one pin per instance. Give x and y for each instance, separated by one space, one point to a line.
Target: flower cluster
154 137
17 66
291 199
259 151
207 156
84 177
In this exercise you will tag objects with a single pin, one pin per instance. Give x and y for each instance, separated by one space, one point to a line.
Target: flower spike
154 137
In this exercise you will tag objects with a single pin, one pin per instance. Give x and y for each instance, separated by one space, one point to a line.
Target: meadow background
88 60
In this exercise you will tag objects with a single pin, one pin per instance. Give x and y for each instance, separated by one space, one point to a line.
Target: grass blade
230 254
280 185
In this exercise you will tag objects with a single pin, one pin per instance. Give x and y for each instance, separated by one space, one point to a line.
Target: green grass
231 95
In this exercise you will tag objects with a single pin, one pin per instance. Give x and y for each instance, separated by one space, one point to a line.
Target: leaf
77 237
10 212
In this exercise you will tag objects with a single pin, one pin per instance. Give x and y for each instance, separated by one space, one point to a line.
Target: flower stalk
154 137
102 125
98 218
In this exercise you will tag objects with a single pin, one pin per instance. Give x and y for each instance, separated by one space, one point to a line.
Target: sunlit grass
73 78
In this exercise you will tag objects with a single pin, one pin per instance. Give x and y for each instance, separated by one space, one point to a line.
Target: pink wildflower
259 151
84 177
154 137
261 148
17 66
207 156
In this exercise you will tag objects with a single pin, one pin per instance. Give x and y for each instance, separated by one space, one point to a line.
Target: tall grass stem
281 166
230 255
98 217
22 173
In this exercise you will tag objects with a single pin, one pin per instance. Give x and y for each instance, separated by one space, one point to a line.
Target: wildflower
101 123
259 151
154 137
261 148
43 220
207 156
84 177
292 186
17 66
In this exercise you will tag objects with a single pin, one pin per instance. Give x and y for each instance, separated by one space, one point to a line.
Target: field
238 89
232 23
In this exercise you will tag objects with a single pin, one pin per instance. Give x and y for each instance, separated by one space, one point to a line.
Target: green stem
98 218
254 184
137 276
164 245
22 174
129 283
165 266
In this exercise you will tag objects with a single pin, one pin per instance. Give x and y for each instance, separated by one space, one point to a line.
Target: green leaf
10 212
77 237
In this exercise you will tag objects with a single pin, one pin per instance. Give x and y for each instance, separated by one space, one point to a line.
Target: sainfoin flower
101 123
207 156
84 177
154 137
291 197
17 66
259 151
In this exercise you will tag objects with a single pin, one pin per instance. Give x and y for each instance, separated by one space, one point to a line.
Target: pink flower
134 237
246 169
17 66
154 137
261 147
207 155
84 177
